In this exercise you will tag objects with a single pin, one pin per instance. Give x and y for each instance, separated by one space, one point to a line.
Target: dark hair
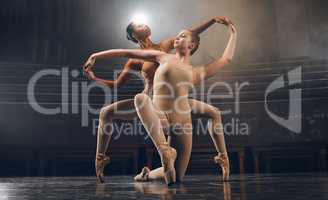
129 33
196 40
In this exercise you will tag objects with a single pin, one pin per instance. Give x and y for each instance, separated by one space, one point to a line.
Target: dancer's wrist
232 29
94 56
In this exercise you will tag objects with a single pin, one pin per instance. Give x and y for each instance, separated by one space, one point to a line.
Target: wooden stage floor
264 186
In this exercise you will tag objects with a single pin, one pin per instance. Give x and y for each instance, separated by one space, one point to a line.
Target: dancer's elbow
226 60
117 83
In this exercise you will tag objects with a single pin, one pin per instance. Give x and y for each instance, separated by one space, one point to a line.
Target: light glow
140 18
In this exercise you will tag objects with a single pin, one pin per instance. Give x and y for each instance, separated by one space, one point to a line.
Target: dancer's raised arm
204 26
197 30
204 72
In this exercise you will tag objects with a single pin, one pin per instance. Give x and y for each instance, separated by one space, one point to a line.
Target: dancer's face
184 41
141 31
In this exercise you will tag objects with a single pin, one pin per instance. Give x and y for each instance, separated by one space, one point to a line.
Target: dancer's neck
146 43
184 57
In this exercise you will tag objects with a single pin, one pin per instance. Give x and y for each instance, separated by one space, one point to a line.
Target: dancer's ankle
222 158
223 154
162 148
101 156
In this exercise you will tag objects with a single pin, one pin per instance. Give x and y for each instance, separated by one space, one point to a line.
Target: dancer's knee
105 121
215 121
215 114
106 115
140 100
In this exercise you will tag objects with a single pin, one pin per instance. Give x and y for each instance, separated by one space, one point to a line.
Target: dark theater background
277 40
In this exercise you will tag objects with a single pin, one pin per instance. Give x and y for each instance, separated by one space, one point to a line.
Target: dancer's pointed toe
223 161
168 157
143 176
101 161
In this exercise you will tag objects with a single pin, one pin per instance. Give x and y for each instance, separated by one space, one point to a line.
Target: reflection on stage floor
266 186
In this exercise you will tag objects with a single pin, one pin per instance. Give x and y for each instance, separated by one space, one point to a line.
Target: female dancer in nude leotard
141 34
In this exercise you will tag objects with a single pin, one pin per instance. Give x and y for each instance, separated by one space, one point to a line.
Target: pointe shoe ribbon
101 161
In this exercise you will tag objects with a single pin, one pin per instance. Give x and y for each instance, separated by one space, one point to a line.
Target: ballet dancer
173 113
140 33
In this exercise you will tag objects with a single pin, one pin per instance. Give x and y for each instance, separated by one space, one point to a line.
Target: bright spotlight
140 18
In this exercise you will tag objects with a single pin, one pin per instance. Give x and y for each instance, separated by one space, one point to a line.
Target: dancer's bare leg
215 128
118 110
155 122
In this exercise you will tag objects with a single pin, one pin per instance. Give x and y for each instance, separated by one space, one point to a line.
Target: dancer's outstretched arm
123 77
197 30
146 55
204 72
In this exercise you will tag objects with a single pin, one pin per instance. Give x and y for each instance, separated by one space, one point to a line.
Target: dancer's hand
90 62
222 20
89 73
